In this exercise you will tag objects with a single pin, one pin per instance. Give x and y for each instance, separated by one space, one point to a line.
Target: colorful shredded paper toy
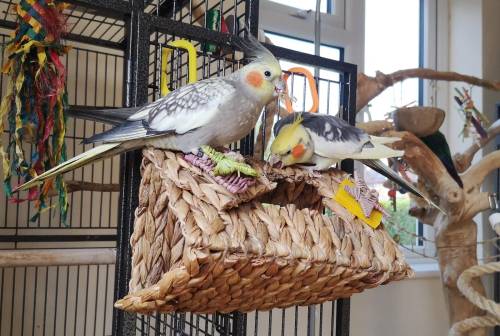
35 101
473 117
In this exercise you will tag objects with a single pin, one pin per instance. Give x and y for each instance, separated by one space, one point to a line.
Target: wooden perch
370 87
376 127
54 257
455 233
463 160
427 166
73 186
475 176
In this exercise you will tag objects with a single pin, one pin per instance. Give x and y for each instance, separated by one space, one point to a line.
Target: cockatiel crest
260 76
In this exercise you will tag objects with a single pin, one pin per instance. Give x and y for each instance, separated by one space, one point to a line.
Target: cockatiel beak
275 160
279 86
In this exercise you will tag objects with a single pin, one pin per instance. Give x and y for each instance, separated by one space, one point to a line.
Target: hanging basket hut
198 247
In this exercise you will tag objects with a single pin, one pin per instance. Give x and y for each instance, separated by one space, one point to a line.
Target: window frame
340 49
330 5
342 29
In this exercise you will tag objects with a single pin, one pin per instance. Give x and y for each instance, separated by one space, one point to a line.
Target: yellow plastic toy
348 202
192 76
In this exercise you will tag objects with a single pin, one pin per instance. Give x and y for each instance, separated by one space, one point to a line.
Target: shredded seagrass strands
198 248
233 183
35 100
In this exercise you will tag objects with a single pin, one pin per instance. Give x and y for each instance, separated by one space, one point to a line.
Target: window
392 42
299 88
326 5
296 17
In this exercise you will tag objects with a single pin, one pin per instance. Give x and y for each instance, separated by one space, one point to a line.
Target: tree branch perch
474 177
370 87
429 168
463 161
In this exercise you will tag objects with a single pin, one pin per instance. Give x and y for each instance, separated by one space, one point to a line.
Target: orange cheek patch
254 78
298 151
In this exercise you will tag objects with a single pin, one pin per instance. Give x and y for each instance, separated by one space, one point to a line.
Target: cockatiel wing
329 134
188 107
183 110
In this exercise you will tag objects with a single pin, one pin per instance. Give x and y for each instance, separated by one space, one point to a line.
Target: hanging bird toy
35 100
473 117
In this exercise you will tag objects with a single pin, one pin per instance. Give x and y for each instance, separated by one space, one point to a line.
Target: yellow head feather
288 136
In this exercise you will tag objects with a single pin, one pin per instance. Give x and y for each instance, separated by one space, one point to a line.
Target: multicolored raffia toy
35 100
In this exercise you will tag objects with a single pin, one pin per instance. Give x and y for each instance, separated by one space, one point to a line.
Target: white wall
411 307
464 56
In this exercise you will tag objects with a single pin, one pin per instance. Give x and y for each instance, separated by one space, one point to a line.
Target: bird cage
123 56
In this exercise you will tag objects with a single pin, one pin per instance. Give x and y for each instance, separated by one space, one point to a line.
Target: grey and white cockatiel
318 141
212 112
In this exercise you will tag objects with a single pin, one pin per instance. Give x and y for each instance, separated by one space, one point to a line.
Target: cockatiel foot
225 165
313 173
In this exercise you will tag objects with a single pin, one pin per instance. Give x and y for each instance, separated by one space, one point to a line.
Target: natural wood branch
477 202
474 177
73 186
425 215
376 127
370 87
54 257
464 160
456 249
429 168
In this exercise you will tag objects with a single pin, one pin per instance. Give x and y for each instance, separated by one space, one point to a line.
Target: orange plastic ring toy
312 85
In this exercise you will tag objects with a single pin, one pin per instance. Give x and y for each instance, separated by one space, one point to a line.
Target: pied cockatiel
318 141
211 112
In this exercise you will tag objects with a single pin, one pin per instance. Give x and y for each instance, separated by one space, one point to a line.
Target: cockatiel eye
267 73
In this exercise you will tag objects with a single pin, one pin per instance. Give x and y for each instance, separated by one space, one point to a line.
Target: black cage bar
123 39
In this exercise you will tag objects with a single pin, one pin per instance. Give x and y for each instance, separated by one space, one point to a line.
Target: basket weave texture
199 248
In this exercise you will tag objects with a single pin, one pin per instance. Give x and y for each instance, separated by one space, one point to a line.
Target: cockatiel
438 145
212 112
318 141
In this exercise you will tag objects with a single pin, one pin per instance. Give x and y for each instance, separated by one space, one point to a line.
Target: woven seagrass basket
199 248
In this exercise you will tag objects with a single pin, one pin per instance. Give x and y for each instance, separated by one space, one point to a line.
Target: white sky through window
391 44
392 30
